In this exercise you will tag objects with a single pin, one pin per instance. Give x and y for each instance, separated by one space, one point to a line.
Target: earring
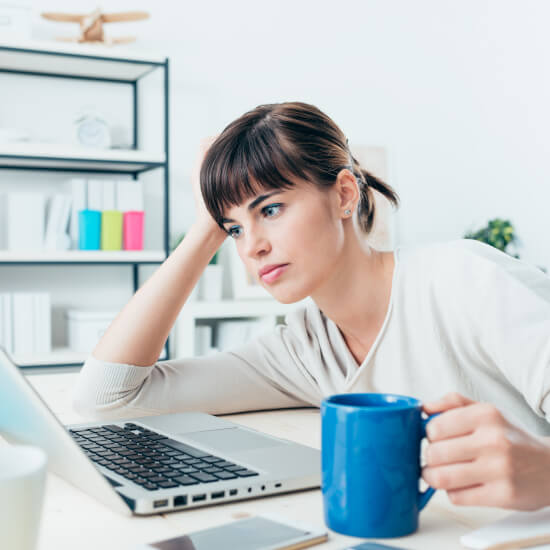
347 212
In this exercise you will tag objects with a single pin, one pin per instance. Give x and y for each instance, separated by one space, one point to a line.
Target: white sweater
462 317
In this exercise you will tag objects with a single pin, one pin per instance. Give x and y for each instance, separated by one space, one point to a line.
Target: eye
235 231
271 210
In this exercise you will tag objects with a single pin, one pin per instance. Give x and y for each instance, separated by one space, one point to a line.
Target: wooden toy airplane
91 25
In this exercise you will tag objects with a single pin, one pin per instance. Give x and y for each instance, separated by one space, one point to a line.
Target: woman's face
296 234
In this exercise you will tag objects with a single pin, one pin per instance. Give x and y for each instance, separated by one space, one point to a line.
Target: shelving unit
84 62
197 311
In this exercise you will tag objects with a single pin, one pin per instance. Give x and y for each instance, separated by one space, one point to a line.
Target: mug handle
425 496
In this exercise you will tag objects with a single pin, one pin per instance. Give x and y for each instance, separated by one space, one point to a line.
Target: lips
270 273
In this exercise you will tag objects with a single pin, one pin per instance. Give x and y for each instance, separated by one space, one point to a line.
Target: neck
357 293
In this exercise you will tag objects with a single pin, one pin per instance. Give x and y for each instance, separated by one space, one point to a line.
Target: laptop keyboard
151 460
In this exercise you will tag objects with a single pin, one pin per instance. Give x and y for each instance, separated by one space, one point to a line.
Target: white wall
457 91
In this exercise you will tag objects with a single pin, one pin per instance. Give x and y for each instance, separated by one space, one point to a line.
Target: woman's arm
137 335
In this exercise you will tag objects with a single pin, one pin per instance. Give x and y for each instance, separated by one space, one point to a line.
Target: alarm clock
91 130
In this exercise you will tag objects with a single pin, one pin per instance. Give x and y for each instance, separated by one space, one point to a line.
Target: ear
347 192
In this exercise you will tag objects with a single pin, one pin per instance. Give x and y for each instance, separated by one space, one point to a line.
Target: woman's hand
481 459
203 216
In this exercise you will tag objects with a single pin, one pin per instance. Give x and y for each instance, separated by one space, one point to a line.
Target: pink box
132 234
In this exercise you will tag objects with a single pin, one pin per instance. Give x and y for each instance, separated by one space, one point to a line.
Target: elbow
96 397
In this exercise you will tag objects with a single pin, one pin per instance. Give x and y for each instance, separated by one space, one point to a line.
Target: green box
111 230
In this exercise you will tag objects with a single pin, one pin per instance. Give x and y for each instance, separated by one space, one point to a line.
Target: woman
425 321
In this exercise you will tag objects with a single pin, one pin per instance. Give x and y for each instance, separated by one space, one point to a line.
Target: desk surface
71 519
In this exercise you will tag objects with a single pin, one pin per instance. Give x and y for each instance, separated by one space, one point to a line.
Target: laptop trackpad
231 439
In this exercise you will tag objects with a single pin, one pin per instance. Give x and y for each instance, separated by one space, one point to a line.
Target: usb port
232 492
160 503
198 498
219 494
278 485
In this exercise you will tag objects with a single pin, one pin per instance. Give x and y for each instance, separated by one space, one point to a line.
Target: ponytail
368 182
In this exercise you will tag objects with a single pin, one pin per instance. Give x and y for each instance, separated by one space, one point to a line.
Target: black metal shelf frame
133 82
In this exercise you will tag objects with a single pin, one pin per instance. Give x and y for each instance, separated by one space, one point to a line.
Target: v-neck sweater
462 317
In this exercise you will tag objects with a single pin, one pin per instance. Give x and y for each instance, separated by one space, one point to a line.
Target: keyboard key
179 446
157 479
167 484
161 469
212 459
224 475
233 468
150 486
189 470
246 473
201 465
185 480
204 478
113 428
212 470
226 464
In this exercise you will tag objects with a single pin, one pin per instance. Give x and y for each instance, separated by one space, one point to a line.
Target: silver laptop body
280 466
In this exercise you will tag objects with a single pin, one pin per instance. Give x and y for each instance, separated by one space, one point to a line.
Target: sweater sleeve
505 305
265 374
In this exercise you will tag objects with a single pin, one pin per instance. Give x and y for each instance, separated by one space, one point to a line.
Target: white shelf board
84 60
58 356
237 308
49 155
82 256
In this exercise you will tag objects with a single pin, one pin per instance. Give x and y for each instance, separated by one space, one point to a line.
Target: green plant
498 233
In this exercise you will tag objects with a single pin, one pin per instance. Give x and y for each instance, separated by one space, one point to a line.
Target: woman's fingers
457 449
459 476
447 402
463 421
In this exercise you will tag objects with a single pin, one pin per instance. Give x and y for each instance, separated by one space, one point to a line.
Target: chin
287 296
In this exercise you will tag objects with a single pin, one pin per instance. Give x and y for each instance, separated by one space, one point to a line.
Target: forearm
138 333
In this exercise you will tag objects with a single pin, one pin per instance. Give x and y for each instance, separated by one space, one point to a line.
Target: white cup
22 480
212 282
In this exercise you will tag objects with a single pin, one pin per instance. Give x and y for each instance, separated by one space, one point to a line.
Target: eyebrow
253 204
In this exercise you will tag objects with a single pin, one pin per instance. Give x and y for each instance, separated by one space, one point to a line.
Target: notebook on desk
158 463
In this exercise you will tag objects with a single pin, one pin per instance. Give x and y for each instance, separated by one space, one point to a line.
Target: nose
256 244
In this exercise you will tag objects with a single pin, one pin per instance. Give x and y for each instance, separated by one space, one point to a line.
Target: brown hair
272 146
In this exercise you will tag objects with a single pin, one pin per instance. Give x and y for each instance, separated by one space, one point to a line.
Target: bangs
240 167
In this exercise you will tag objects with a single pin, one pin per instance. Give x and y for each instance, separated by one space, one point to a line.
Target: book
109 195
25 221
23 323
95 194
7 322
79 196
56 236
129 196
42 323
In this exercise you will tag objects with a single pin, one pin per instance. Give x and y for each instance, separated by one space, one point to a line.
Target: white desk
72 520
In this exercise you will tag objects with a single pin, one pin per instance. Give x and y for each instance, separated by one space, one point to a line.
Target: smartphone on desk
372 546
267 532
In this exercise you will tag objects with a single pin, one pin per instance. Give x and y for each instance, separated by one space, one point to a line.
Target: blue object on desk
89 229
370 457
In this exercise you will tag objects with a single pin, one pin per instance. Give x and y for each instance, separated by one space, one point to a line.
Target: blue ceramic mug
370 461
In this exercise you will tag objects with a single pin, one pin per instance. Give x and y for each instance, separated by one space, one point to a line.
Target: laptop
158 463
